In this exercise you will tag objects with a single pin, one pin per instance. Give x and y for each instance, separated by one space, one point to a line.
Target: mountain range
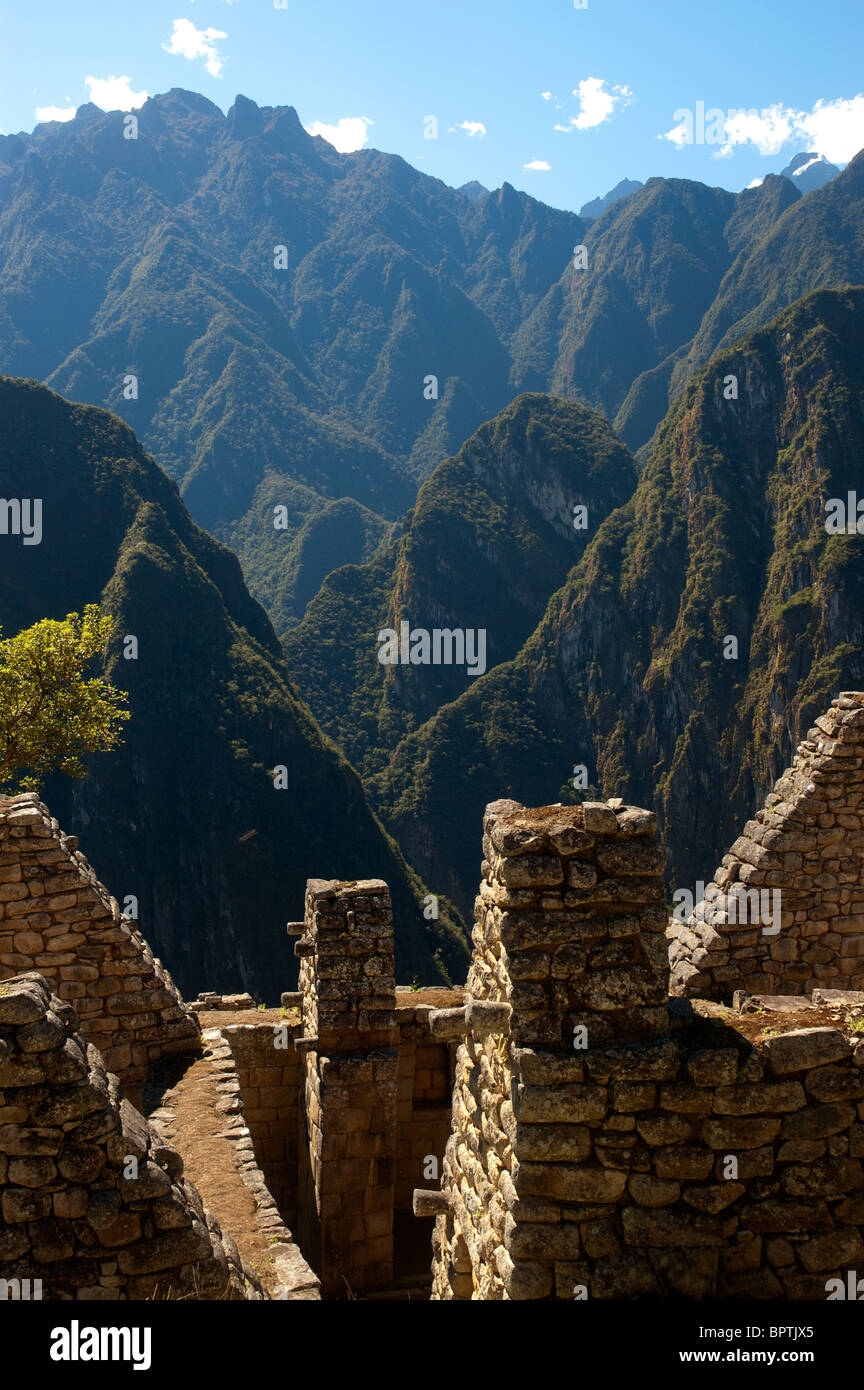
300 336
605 443
630 673
805 171
225 796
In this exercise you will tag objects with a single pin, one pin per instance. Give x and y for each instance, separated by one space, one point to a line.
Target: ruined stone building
615 1106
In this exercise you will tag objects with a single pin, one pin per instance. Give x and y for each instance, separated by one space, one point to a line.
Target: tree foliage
51 712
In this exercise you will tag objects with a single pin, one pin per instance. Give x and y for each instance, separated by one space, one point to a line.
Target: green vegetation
167 817
296 397
304 387
51 714
625 671
490 537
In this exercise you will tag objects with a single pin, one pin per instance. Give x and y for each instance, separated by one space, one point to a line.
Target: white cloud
539 164
756 183
55 113
114 94
597 102
188 42
833 128
547 96
769 130
348 134
836 128
678 135
471 128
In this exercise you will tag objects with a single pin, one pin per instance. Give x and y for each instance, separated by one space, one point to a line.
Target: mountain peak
286 126
473 190
809 170
599 205
87 111
180 101
245 118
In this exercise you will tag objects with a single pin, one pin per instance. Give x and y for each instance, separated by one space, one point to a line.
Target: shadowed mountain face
493 534
186 816
280 305
710 618
287 327
302 337
676 271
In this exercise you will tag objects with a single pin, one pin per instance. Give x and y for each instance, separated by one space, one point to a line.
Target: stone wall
799 867
605 1144
568 935
268 1079
347 1116
296 1280
93 1203
57 918
338 1123
424 1087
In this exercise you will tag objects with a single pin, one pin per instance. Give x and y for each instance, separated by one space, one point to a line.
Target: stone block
805 1048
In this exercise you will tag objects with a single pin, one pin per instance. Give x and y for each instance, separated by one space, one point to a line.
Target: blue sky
615 73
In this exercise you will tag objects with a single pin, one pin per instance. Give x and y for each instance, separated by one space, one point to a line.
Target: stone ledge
297 1279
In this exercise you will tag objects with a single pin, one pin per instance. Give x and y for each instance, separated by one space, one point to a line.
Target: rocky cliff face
278 304
192 816
709 621
267 313
494 532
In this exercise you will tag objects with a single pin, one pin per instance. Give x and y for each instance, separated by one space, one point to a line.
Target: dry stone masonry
56 917
662 1155
93 1203
424 1087
349 1067
799 867
568 937
595 1137
267 1100
228 1052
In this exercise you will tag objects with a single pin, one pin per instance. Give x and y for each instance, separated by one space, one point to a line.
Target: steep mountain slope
186 816
755 211
304 335
630 672
280 305
654 263
491 536
817 243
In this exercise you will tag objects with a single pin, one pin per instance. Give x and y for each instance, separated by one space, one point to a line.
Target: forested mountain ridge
288 328
630 672
493 533
224 796
278 304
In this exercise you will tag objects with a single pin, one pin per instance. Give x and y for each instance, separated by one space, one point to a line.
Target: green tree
51 713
